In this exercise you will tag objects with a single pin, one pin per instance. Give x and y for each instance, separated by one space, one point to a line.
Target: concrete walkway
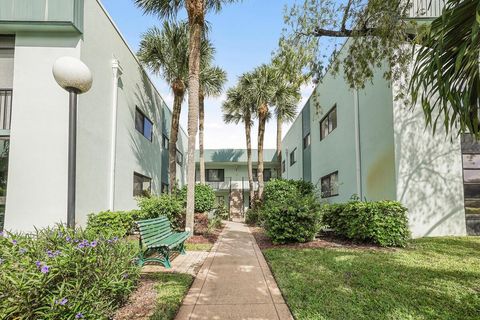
234 282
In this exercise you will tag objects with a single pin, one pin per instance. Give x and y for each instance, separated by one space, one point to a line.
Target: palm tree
260 86
237 108
165 52
196 10
285 102
212 80
446 75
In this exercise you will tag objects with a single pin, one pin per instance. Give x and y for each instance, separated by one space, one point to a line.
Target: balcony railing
5 108
229 184
425 8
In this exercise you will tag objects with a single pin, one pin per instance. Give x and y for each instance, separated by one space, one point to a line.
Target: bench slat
148 233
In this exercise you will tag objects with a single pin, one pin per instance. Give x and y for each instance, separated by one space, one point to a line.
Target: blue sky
244 34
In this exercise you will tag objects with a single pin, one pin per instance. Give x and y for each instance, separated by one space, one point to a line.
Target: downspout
113 148
358 155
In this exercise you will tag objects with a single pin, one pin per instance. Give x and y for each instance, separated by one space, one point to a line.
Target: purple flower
14 242
115 239
93 244
1 233
62 302
38 264
22 250
45 269
79 316
125 276
68 239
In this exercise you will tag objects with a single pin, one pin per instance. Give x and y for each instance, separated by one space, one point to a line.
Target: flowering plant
60 273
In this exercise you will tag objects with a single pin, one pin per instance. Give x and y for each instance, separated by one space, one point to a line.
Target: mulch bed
322 241
142 302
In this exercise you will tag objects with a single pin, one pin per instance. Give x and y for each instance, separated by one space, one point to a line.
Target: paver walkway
234 282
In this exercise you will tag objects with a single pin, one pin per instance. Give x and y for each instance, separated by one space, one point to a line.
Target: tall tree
260 85
212 81
446 75
239 108
196 10
165 52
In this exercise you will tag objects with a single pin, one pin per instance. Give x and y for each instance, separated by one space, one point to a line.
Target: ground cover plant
434 278
61 273
171 289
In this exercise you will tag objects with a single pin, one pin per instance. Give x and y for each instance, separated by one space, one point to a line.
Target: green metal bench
156 235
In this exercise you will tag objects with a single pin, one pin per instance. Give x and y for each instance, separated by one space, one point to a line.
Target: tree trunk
279 145
248 129
172 144
196 15
201 112
262 119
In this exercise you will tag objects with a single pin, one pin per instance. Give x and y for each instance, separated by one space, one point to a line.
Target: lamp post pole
72 158
75 77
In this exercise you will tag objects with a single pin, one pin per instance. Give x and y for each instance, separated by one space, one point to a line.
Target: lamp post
74 76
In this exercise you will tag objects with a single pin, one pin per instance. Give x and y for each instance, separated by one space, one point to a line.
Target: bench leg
166 258
181 249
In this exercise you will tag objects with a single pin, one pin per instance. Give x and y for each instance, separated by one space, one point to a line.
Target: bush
290 212
252 216
164 205
64 274
382 222
204 197
107 223
222 212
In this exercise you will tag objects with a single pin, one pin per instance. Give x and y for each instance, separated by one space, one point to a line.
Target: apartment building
123 122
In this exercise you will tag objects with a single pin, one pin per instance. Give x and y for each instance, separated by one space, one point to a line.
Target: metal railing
5 108
425 8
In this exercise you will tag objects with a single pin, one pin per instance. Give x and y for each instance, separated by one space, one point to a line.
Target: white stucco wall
429 174
37 179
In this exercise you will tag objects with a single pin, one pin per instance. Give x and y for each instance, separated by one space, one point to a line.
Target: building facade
226 172
369 144
123 122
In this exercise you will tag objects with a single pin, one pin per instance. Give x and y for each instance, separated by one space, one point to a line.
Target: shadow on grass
435 279
171 289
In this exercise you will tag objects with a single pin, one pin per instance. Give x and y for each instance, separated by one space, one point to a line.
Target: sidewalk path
234 282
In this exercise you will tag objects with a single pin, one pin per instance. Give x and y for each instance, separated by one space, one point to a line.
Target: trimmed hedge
381 222
204 197
119 223
290 212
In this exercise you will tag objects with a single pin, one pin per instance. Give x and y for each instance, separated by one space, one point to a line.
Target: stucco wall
292 141
429 175
37 178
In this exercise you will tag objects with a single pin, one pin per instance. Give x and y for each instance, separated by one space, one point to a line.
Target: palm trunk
262 119
248 129
172 145
279 145
201 112
196 14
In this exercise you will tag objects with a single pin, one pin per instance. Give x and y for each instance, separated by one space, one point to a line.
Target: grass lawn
198 246
171 289
432 279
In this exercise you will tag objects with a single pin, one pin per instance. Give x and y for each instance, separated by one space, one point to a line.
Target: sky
245 34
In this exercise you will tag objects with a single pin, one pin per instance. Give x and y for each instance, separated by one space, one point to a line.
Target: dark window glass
328 123
472 191
306 141
165 142
293 159
179 158
4 153
165 187
142 185
215 175
143 124
267 174
329 185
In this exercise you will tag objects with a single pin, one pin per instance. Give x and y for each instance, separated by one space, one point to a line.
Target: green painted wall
293 142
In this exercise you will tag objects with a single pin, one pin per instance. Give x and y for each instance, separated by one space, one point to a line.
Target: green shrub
60 273
290 211
107 223
204 197
382 222
164 205
252 216
222 212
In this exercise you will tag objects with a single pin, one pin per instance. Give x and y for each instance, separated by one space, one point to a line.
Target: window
306 141
267 174
165 187
293 159
215 175
330 185
328 123
165 142
283 166
142 185
143 124
179 157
